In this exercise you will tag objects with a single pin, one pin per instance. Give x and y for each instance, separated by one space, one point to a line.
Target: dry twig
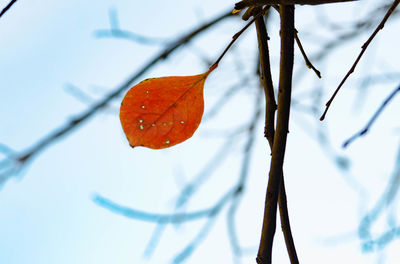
5 9
308 62
363 49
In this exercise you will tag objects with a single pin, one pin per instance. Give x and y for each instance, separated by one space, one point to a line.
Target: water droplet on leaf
165 100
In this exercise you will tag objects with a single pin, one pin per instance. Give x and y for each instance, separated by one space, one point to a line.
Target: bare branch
5 9
266 81
116 32
308 62
9 167
210 213
385 201
87 99
190 248
363 49
282 128
383 240
163 218
372 120
154 240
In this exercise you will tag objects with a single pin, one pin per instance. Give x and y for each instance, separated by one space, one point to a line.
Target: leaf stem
237 35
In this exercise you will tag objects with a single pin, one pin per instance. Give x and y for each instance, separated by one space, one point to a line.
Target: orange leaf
162 112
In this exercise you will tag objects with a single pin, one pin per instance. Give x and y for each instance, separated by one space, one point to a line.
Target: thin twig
163 218
385 201
116 32
382 240
154 240
308 62
236 36
285 223
363 131
363 49
190 247
5 9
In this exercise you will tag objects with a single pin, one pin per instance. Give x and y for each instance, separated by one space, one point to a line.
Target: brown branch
49 139
282 127
308 62
5 9
253 3
266 80
285 223
363 49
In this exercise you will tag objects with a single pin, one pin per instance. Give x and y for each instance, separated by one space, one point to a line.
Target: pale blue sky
47 214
